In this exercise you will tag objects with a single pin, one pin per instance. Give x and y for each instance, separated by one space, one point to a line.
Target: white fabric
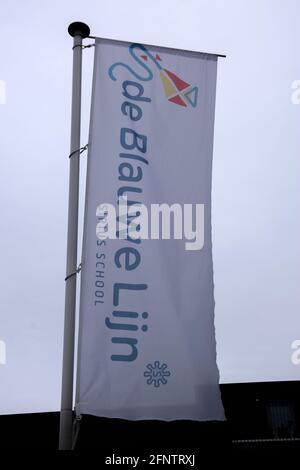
174 286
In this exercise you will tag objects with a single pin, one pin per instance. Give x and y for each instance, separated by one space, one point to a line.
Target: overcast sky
256 189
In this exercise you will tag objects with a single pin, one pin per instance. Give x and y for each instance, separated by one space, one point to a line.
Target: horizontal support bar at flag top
162 47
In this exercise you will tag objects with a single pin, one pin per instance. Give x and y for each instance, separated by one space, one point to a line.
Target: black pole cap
79 29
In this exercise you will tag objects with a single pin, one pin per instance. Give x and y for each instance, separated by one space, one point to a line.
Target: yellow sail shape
168 86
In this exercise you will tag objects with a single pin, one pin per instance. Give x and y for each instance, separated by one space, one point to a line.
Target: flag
147 347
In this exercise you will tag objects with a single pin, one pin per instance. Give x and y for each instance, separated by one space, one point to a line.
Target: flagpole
78 31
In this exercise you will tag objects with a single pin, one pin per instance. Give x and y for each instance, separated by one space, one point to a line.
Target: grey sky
256 191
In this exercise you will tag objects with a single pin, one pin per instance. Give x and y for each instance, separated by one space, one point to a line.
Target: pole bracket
84 46
77 271
81 150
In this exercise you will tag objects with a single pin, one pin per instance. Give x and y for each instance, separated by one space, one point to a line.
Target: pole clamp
84 46
74 273
82 149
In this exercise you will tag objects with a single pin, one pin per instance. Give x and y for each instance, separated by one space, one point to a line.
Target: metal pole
78 31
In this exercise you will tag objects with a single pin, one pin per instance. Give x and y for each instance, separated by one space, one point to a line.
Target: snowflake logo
156 374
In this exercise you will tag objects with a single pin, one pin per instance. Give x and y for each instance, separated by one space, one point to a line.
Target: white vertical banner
147 346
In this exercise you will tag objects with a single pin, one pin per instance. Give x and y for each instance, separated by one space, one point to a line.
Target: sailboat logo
177 91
